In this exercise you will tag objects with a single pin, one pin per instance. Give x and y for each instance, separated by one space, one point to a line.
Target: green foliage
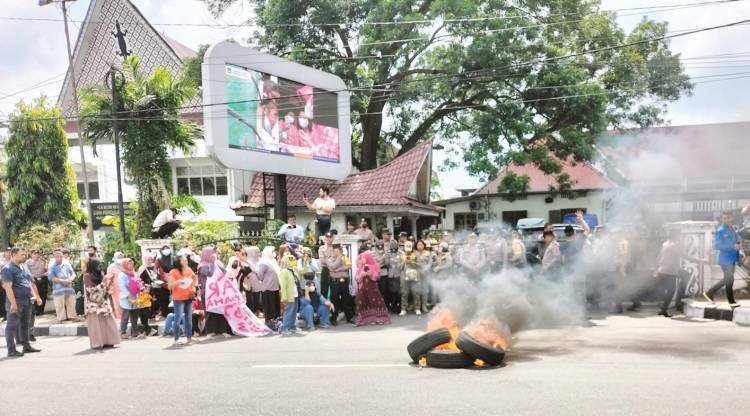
188 203
199 234
150 129
51 236
513 184
41 186
191 67
491 87
111 241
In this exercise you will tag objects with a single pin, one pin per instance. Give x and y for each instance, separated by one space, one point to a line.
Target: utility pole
119 34
113 81
74 86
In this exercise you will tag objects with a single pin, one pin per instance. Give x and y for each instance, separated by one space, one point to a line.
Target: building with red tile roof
395 195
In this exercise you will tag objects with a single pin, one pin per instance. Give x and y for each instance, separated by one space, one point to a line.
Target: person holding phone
370 306
323 206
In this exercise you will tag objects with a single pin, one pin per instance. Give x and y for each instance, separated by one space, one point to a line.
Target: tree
151 127
496 80
191 66
40 179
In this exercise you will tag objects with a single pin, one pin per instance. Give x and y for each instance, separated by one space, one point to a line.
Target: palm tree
149 126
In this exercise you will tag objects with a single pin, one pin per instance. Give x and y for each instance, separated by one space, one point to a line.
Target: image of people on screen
283 118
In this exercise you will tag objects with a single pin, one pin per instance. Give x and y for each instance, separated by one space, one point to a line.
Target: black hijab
94 270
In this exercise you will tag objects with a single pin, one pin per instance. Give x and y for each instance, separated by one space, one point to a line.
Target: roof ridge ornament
120 35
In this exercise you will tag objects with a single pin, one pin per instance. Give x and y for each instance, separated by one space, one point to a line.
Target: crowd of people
290 291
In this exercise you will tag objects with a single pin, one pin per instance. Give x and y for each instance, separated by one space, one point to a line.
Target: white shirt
321 204
164 217
292 235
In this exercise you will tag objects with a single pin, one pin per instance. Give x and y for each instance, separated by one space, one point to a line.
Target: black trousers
728 283
143 315
253 301
342 299
322 225
3 296
271 304
165 230
394 294
325 283
42 285
666 286
161 305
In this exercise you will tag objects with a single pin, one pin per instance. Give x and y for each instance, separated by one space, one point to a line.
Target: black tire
426 342
480 351
448 359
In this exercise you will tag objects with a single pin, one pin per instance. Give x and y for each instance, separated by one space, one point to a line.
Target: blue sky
35 51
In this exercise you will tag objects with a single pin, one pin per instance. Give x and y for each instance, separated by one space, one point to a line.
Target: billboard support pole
279 197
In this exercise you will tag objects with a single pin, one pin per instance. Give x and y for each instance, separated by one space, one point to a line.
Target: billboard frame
215 102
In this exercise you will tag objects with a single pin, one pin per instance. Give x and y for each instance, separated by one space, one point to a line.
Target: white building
591 192
95 50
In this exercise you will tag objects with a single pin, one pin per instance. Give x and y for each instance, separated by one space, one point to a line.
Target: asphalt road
636 364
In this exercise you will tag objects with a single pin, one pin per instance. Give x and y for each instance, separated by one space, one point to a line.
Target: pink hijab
366 258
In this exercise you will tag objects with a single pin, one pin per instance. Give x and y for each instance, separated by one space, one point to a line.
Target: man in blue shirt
61 276
20 291
727 243
291 232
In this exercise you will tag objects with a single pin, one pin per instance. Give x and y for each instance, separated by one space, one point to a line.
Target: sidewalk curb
705 310
66 330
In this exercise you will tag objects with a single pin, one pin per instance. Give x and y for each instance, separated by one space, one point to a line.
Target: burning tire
477 350
448 359
427 342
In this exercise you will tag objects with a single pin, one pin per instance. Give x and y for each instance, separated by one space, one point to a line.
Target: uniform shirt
338 269
325 253
20 279
365 234
61 271
552 256
37 268
292 233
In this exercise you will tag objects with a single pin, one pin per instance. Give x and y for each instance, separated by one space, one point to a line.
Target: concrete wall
593 202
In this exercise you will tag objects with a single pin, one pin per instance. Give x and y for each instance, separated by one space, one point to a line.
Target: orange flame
489 331
442 317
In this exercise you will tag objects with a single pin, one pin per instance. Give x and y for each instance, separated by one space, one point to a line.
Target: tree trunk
372 123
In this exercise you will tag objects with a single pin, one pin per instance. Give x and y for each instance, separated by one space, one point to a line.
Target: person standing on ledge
165 224
323 206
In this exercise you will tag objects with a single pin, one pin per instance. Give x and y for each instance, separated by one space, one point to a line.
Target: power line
479 72
655 9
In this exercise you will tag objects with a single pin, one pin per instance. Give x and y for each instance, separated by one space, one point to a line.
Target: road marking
329 365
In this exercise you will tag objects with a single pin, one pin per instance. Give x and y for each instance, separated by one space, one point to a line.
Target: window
465 221
202 180
511 217
93 190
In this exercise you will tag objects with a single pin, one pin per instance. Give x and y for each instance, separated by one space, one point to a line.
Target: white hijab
269 259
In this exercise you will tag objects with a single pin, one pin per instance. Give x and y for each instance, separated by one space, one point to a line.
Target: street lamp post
74 86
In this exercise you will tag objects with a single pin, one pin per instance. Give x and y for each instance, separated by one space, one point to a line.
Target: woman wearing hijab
127 299
160 291
113 271
147 274
249 282
182 281
370 306
268 275
289 292
100 320
216 323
